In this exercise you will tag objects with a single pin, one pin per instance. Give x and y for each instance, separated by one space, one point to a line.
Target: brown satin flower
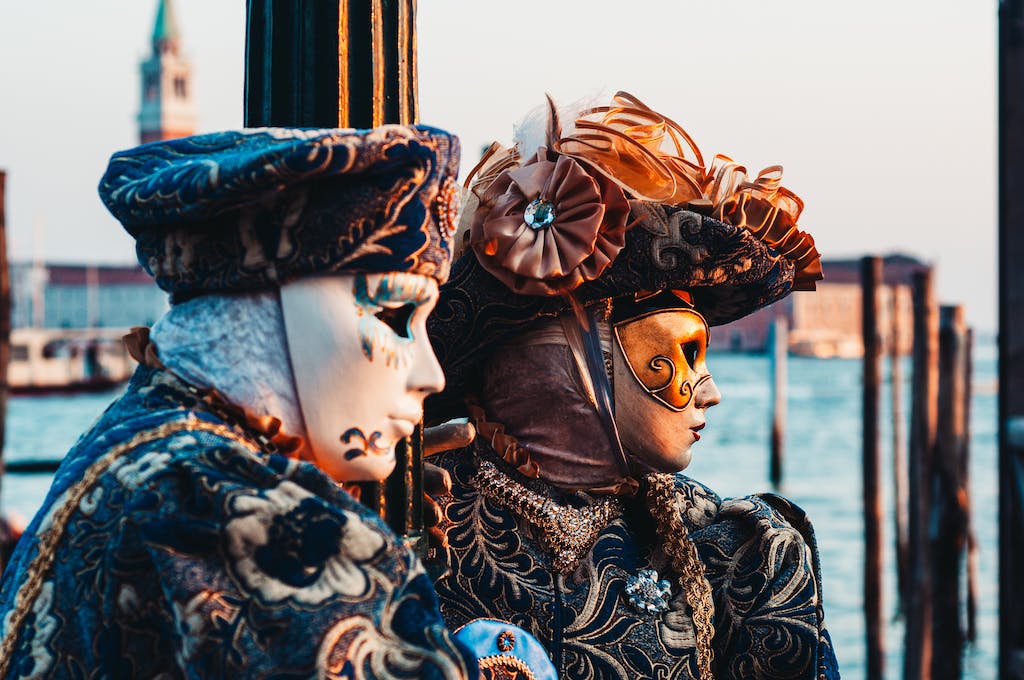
578 225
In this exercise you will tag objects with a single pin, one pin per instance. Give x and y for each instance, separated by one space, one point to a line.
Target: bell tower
168 106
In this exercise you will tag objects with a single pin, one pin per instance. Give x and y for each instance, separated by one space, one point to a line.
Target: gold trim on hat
377 40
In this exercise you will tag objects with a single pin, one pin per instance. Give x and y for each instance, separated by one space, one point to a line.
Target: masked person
574 331
200 527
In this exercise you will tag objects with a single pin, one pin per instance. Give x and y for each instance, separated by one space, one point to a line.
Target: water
822 474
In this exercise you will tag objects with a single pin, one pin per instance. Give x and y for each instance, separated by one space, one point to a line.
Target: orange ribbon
654 159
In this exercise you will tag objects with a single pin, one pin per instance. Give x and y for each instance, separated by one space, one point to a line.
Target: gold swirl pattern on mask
567 532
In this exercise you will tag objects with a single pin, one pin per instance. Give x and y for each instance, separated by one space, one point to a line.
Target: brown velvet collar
534 391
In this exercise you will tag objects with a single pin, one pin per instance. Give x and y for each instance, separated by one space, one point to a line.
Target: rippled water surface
822 474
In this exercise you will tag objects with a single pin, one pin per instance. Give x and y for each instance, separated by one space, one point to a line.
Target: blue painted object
506 651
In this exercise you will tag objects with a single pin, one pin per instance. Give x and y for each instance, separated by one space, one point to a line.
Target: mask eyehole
690 351
398 319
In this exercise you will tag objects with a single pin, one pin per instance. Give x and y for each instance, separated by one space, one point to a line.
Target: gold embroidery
48 541
506 667
661 498
567 532
447 208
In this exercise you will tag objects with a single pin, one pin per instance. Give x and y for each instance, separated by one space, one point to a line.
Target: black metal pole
330 63
1011 339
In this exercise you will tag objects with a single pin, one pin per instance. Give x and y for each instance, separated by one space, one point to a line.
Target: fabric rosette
547 226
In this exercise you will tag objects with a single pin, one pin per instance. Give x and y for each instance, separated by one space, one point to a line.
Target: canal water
821 473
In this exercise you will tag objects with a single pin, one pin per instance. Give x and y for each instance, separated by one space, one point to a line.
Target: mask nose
425 374
707 394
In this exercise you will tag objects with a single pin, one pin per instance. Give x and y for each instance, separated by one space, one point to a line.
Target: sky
882 112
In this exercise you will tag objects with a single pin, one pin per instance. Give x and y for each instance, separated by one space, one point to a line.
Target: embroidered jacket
170 545
758 554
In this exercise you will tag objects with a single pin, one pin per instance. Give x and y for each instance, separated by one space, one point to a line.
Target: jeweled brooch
646 593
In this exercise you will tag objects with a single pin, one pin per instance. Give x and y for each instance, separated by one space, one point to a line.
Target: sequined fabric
758 553
198 555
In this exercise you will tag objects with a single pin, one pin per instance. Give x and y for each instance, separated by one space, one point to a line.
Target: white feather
530 133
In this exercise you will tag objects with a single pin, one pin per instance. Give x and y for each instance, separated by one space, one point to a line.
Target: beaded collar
568 532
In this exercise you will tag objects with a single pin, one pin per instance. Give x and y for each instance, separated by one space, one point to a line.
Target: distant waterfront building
168 107
827 322
83 296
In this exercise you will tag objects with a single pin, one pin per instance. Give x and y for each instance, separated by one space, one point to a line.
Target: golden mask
665 350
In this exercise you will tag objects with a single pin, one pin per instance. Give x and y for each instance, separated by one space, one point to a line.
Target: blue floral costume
172 544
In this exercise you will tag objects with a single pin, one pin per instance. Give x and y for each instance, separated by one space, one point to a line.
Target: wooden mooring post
5 319
871 283
5 316
972 541
949 527
917 659
5 353
779 348
899 448
1011 339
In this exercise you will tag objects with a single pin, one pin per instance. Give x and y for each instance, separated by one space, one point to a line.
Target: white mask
362 364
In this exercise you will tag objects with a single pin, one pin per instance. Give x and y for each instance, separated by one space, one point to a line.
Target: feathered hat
620 207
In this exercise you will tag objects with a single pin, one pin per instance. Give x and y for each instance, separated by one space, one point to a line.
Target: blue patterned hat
248 210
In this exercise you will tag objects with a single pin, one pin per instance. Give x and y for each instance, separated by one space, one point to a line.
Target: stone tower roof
165 28
168 107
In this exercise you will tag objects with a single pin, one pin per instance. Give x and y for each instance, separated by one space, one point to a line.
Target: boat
45 360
